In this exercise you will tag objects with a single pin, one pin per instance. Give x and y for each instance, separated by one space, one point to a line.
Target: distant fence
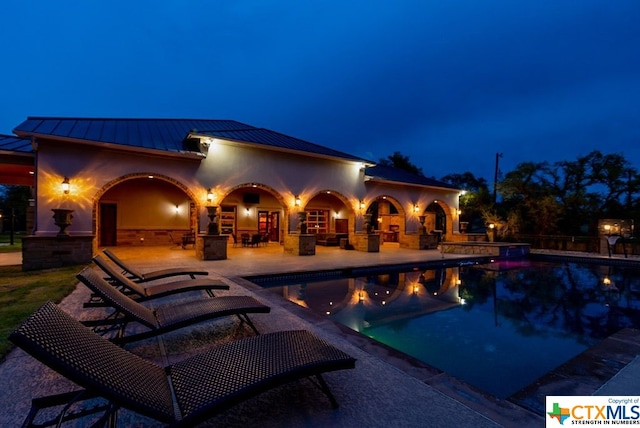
586 244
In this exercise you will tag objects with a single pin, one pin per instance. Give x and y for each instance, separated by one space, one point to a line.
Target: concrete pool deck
385 389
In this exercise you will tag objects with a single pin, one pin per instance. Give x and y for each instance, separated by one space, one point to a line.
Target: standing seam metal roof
12 143
169 134
166 134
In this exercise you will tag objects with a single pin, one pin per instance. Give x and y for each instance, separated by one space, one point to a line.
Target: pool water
497 326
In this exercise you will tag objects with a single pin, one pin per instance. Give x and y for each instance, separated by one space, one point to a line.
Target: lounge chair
182 394
164 318
138 276
142 292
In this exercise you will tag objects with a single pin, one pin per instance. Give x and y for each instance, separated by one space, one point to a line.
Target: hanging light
65 185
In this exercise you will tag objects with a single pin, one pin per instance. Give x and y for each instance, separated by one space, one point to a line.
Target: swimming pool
498 326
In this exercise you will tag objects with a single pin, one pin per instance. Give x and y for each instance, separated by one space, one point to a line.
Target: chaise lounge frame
183 394
166 317
142 292
138 276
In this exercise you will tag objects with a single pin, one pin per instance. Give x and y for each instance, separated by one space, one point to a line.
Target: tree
476 198
15 199
398 160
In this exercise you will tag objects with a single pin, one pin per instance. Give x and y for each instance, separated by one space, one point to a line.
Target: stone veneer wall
137 237
44 252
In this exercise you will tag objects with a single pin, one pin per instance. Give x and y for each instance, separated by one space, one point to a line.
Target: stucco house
149 181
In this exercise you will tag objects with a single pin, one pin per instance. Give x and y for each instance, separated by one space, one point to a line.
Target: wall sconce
297 201
209 196
65 185
416 208
248 211
459 212
362 205
177 209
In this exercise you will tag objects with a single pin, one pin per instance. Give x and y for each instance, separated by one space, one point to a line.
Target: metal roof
166 134
266 137
11 143
388 173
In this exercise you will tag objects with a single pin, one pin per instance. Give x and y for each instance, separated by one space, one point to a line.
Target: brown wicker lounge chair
142 292
138 276
182 394
164 318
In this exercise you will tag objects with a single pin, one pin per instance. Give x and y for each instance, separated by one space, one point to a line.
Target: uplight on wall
209 196
65 185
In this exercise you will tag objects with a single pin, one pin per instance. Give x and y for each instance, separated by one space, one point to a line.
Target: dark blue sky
447 83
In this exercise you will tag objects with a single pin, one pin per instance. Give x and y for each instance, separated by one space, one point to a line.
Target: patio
385 389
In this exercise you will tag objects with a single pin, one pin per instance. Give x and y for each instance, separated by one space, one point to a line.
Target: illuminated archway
143 208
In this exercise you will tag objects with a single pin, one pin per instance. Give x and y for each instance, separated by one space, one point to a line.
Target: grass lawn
21 293
5 240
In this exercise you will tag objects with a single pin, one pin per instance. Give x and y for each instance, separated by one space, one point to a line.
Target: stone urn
302 222
464 225
212 227
423 230
366 225
62 219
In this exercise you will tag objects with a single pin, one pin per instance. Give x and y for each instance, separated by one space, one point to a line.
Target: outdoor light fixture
459 212
209 195
298 202
65 185
362 205
416 208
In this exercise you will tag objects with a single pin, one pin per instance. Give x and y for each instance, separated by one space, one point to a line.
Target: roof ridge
129 119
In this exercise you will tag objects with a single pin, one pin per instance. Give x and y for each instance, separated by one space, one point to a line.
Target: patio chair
138 276
164 318
182 394
142 292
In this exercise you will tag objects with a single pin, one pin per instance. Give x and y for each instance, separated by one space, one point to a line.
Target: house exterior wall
93 170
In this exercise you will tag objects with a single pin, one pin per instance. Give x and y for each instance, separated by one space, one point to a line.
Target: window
227 219
317 221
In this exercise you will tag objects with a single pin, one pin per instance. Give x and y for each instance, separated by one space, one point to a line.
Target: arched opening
330 217
255 212
435 220
144 209
387 218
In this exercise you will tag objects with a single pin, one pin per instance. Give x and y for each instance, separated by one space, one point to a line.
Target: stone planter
62 218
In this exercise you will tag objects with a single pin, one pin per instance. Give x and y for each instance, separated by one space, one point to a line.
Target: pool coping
581 375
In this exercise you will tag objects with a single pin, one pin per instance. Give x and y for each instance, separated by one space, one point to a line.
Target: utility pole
495 179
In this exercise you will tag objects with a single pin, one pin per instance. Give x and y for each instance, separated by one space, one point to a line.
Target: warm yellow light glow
464 192
65 185
361 296
416 288
606 281
297 201
492 226
607 227
362 205
209 195
177 209
459 212
416 208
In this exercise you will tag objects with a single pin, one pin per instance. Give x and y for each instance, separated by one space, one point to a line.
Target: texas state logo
592 410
